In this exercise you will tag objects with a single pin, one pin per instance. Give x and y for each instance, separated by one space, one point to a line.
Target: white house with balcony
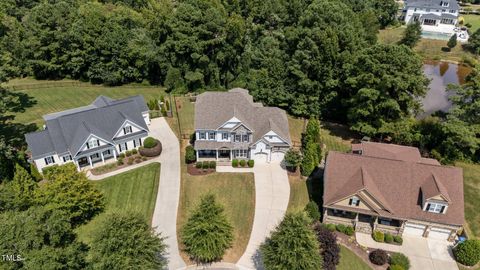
92 134
229 125
435 16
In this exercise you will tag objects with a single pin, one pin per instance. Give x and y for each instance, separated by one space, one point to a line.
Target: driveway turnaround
424 253
272 192
166 207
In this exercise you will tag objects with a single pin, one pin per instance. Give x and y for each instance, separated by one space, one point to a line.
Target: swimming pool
436 35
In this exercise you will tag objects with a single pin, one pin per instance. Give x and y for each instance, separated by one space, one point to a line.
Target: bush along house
391 188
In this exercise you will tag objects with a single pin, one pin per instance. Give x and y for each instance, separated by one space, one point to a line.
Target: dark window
49 160
127 130
237 137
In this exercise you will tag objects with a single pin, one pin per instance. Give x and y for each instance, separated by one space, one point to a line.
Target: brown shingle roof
212 109
394 183
392 151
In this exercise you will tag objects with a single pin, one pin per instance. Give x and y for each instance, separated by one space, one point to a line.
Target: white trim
123 125
88 139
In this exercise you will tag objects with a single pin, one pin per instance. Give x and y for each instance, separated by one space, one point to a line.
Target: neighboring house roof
434 4
437 17
67 131
213 109
397 184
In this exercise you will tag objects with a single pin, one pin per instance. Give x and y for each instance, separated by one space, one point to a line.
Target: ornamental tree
208 233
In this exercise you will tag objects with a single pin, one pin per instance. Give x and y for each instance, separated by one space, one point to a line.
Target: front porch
363 222
95 158
223 154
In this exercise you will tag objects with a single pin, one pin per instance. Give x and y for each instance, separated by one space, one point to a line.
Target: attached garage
439 233
277 156
260 157
413 229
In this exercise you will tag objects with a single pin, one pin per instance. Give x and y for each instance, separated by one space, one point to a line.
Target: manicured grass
429 49
54 96
295 126
186 114
135 190
298 194
350 261
471 189
474 20
236 191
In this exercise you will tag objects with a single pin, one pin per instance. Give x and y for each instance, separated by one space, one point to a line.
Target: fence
46 85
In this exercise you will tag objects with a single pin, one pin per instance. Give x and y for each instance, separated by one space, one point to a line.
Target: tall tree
23 188
328 245
72 192
208 232
384 83
412 35
292 245
126 241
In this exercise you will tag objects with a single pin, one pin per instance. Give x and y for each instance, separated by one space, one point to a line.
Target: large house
435 16
391 188
90 134
229 125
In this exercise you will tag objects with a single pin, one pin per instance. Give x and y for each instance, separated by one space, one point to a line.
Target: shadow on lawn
315 187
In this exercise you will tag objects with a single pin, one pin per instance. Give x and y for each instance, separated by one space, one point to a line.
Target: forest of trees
314 58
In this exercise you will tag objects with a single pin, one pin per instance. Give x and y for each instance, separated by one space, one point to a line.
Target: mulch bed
350 243
192 170
115 166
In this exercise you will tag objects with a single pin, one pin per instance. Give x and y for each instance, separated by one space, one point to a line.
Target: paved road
166 206
272 192
424 253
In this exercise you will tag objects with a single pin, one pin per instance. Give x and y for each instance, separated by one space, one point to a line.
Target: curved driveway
272 192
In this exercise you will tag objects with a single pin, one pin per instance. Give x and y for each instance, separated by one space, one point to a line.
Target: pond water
441 74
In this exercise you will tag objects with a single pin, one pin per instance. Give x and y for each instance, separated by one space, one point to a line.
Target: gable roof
396 184
213 109
68 130
432 187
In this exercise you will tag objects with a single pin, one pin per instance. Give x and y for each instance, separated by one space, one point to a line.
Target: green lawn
54 96
236 191
471 189
135 190
186 114
474 20
391 35
298 194
350 261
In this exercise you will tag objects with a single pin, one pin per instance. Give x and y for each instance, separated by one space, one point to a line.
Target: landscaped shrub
349 230
128 153
120 162
212 164
331 227
401 260
198 165
388 238
138 160
149 142
328 245
35 173
242 163
190 156
398 239
395 267
251 163
378 257
130 161
468 252
134 151
235 163
378 236
151 152
205 165
121 155
340 228
144 158
312 210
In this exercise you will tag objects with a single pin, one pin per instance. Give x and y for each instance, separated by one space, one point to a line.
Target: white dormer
273 137
230 123
127 128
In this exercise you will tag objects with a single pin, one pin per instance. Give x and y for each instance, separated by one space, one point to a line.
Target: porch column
198 156
90 161
103 158
231 150
76 164
216 153
114 153
375 223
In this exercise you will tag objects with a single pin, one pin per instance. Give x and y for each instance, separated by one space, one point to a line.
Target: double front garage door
417 230
263 157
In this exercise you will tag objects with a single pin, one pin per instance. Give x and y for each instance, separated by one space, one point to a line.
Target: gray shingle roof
434 4
212 109
67 131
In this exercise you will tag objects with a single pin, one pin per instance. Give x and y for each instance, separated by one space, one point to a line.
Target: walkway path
272 192
165 214
424 253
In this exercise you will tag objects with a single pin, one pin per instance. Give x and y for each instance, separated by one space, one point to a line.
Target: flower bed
152 151
119 164
201 168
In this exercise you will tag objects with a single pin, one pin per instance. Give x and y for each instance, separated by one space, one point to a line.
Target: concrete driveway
272 192
424 253
165 214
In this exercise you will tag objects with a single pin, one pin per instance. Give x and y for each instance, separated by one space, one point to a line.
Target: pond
441 74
